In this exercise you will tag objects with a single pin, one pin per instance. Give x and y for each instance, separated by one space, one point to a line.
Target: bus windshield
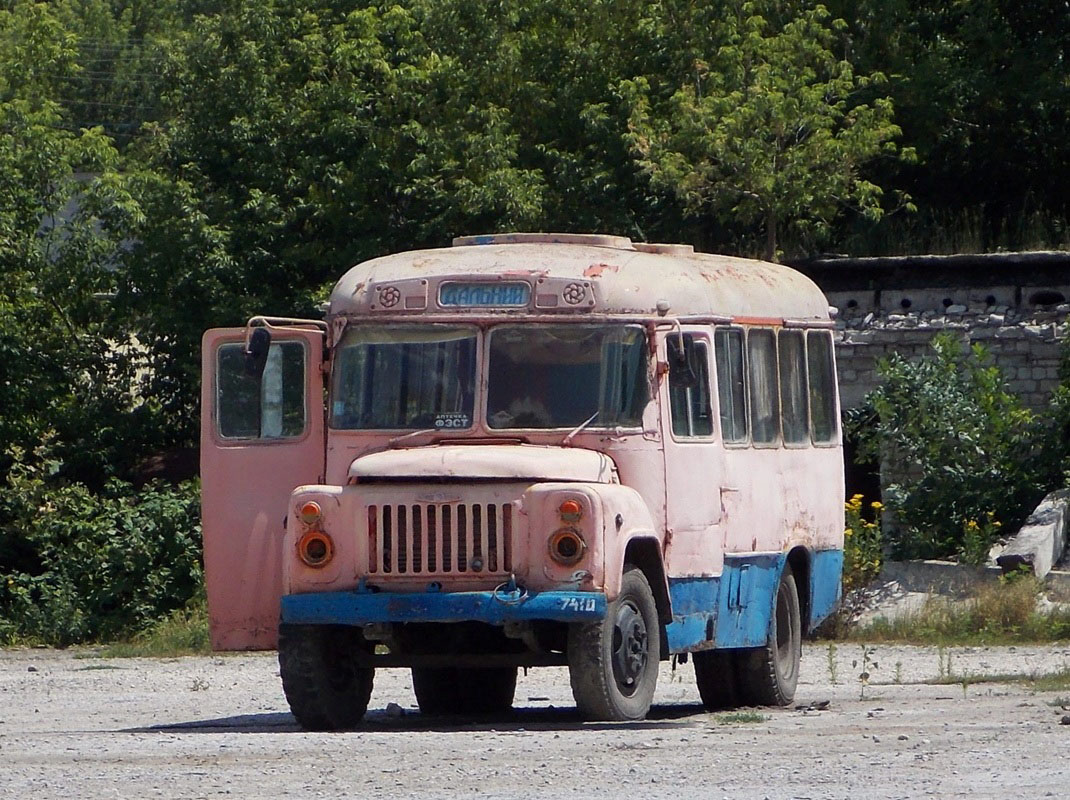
405 377
557 376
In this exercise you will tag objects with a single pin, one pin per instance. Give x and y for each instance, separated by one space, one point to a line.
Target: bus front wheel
770 674
325 686
613 663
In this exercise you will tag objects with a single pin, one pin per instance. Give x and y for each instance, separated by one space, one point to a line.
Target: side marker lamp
570 510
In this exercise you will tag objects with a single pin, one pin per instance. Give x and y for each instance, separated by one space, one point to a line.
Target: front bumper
494 608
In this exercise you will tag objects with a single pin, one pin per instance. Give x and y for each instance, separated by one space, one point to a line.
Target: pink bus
527 450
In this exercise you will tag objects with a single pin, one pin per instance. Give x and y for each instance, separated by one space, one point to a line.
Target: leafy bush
978 538
77 566
955 447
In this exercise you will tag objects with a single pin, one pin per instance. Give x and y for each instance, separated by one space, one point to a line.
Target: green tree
61 380
298 138
769 130
980 91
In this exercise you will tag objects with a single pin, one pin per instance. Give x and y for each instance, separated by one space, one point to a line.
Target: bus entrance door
261 437
693 461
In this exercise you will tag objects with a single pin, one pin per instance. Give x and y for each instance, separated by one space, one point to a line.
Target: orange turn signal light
310 512
570 510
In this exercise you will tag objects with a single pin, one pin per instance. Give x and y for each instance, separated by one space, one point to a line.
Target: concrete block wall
1026 346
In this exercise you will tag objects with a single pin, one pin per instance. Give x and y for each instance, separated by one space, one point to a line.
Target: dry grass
1003 613
184 633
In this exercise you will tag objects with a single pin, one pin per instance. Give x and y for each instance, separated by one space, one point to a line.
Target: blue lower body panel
494 608
734 609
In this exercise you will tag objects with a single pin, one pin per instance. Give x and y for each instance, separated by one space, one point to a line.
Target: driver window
271 407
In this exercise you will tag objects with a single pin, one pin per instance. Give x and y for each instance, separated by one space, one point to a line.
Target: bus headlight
567 546
315 549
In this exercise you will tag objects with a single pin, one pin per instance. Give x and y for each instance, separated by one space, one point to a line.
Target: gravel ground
74 726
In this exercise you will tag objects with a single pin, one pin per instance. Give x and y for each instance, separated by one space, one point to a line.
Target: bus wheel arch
644 553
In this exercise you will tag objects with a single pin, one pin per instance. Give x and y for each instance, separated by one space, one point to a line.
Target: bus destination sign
515 294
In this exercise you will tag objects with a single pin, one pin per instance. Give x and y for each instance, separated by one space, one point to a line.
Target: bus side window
689 406
731 392
794 415
271 407
823 418
764 397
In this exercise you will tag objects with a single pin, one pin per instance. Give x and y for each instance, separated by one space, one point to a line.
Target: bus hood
505 462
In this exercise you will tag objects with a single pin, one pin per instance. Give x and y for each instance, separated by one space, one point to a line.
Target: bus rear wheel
325 686
613 663
452 690
770 674
716 673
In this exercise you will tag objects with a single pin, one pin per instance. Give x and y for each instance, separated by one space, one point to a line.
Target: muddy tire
770 674
613 663
326 689
716 673
452 690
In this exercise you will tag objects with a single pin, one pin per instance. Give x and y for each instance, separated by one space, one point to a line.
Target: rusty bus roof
619 278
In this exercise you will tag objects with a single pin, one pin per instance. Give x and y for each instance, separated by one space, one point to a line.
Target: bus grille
430 539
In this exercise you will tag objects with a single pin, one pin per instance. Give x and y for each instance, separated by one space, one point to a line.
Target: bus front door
261 436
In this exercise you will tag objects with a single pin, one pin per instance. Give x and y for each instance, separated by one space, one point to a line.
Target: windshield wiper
411 434
568 438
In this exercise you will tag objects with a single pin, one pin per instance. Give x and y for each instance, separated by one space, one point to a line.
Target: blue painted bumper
495 608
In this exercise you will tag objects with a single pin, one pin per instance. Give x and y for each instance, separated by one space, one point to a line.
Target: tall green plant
954 445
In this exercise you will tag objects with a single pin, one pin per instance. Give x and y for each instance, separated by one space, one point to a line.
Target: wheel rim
785 633
629 647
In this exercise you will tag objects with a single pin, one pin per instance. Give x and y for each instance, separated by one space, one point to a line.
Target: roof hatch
587 239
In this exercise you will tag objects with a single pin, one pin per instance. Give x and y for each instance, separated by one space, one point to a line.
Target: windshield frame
480 425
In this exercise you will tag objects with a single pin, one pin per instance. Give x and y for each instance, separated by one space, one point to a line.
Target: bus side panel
826 574
732 610
782 498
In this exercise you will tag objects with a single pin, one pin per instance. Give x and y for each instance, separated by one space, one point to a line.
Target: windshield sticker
448 421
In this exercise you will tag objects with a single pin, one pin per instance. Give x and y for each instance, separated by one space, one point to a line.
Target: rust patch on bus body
596 270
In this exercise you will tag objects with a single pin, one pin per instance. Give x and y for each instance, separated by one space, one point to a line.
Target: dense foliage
85 566
171 165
